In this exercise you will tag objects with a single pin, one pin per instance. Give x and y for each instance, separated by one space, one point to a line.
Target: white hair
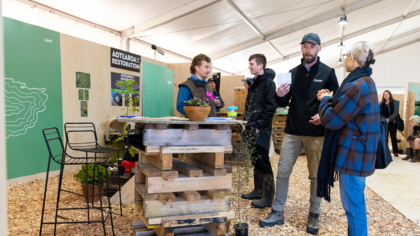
361 52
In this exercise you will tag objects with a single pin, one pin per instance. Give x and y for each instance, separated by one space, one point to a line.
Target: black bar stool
92 146
53 139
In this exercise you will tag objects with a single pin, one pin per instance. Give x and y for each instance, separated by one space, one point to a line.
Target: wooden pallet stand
175 197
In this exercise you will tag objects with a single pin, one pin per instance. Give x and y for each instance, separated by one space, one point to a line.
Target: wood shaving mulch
25 205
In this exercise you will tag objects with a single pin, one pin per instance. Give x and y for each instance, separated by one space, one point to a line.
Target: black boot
268 195
312 227
410 154
257 193
416 156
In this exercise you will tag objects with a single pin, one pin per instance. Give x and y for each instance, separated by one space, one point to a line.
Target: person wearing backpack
389 111
413 141
352 122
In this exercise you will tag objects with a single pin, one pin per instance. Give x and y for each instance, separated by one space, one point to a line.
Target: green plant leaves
92 174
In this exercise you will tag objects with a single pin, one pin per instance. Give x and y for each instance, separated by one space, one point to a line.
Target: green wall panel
32 93
158 90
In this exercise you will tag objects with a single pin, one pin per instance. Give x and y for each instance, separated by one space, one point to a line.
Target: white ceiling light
341 45
343 20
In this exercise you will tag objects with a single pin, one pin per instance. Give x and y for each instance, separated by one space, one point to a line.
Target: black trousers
261 160
392 130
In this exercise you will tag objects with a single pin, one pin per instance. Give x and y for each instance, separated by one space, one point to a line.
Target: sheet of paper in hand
284 78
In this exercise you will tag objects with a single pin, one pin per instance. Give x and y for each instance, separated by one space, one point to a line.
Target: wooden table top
170 121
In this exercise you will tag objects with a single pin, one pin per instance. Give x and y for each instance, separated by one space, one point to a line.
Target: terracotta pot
93 189
195 113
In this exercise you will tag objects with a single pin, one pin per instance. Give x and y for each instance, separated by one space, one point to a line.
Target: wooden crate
191 193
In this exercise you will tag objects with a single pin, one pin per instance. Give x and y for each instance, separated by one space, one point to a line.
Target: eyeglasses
345 55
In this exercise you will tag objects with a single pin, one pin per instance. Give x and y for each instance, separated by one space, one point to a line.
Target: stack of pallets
176 197
279 123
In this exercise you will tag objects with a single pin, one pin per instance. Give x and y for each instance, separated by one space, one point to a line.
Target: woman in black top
389 111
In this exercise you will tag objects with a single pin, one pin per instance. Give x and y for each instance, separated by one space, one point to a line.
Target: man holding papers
303 127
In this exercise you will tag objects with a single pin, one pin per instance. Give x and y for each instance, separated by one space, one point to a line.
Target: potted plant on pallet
91 181
198 109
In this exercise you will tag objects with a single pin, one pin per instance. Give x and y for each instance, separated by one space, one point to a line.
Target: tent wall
53 66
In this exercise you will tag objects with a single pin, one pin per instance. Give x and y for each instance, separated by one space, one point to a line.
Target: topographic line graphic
22 106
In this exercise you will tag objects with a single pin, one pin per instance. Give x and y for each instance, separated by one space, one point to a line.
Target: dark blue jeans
352 190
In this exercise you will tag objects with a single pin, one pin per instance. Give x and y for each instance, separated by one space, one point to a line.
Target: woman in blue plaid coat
352 122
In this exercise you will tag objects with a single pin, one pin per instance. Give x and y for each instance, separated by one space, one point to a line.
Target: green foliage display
82 80
92 174
417 108
131 100
86 94
83 109
81 94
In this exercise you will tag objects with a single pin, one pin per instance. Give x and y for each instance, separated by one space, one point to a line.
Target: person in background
248 82
389 111
196 86
218 101
352 122
413 141
260 107
303 128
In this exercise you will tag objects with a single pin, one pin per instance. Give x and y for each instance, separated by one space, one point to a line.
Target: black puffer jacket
260 107
303 93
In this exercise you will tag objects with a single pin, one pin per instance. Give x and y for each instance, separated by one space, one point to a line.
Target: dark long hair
391 99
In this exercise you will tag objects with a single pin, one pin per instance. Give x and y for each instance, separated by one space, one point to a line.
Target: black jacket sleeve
333 83
283 101
270 106
222 103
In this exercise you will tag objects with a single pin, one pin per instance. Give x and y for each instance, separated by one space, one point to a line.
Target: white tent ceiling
229 31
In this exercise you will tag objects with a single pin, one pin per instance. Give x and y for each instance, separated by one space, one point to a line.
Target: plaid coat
357 113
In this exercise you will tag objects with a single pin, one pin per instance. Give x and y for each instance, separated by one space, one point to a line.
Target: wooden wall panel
78 55
227 85
181 74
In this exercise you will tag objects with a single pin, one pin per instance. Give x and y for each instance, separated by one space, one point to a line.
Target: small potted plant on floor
91 181
198 109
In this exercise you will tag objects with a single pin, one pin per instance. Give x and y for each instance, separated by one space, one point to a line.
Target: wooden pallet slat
214 160
218 229
193 149
184 183
181 137
186 169
148 170
162 161
182 207
190 196
141 189
207 169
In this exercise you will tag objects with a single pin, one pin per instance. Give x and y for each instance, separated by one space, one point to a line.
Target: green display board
158 91
32 93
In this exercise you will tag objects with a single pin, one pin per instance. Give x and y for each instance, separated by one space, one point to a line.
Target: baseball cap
249 79
311 37
211 79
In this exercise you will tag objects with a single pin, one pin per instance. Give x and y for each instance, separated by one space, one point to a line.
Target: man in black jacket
218 101
303 128
260 107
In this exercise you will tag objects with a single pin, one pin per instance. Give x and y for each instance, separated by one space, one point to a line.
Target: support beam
55 12
398 25
136 40
358 33
294 28
244 17
168 17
